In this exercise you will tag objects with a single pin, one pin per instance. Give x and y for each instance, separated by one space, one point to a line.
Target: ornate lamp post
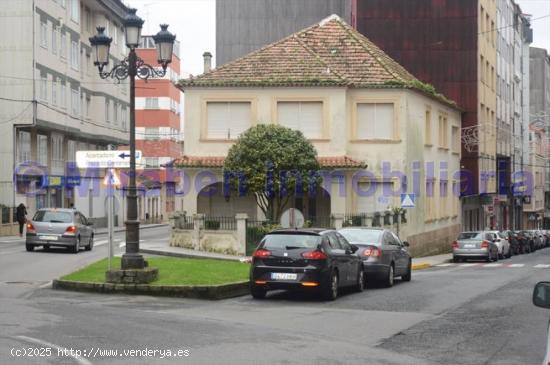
131 67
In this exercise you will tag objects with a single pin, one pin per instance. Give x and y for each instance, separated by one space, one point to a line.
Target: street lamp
131 67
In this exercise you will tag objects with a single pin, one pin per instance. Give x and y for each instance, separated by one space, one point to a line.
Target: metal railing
220 223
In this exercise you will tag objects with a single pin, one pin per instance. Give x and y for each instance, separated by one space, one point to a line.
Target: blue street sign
408 200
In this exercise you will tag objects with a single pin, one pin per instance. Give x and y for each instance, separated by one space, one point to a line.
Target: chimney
207 61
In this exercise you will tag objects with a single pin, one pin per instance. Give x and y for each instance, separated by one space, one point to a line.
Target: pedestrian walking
21 216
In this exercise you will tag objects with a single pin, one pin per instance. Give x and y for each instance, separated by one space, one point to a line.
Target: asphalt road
456 314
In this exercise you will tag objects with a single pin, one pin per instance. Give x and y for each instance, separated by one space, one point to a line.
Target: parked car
307 259
546 235
537 239
384 255
59 227
476 245
528 241
503 245
515 245
541 298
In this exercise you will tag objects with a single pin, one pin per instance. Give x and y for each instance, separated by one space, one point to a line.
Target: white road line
468 265
541 266
492 265
80 360
516 265
445 265
100 243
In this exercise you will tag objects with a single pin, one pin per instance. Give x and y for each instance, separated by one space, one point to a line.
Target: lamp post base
132 261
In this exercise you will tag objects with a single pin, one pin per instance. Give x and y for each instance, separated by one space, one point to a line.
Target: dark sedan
306 259
384 256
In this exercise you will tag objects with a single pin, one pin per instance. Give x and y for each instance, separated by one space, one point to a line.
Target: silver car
503 245
476 245
61 228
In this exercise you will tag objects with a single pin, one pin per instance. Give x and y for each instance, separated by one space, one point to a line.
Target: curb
118 230
211 292
421 266
187 255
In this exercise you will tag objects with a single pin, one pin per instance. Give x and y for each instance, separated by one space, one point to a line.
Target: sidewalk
163 249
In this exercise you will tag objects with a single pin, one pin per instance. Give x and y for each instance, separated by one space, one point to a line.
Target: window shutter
228 120
375 121
365 119
217 120
311 118
288 114
239 116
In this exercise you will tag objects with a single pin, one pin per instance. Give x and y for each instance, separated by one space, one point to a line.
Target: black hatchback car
306 259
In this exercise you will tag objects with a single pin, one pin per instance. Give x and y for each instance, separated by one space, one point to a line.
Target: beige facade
534 211
400 140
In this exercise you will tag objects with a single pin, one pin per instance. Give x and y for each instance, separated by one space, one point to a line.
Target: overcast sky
194 22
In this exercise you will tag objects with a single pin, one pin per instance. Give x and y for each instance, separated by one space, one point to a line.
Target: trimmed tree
272 163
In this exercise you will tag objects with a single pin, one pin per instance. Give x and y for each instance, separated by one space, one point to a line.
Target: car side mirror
354 248
541 294
406 244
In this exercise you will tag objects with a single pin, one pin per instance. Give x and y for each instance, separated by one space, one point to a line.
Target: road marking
516 265
469 265
541 266
445 265
80 360
100 243
492 265
47 285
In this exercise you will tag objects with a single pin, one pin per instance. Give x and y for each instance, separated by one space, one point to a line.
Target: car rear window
288 241
470 235
361 235
52 217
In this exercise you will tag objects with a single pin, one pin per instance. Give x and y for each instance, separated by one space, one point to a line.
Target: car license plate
48 238
469 245
283 276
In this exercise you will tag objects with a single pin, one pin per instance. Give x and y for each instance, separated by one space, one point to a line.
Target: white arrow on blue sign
407 200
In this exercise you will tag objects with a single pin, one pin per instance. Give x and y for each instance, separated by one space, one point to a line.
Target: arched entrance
211 201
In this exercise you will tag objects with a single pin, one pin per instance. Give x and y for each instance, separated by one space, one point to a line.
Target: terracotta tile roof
329 53
217 162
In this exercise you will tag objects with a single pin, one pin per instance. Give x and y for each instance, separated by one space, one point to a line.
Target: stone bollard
338 219
198 225
241 232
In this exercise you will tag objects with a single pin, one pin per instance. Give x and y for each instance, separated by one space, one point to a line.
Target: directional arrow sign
105 159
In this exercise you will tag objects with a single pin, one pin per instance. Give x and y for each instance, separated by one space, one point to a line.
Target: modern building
540 112
53 102
357 106
512 89
158 133
243 26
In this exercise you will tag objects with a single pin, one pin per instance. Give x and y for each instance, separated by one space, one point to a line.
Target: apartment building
512 89
158 132
53 102
540 113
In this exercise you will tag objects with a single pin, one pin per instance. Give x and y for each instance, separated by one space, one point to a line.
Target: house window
228 119
151 162
24 146
82 106
44 88
44 34
63 46
71 150
443 197
62 96
42 149
151 103
152 134
107 111
88 102
306 117
375 121
430 200
75 10
456 139
57 151
74 55
75 101
443 132
115 113
54 91
372 196
428 127
54 39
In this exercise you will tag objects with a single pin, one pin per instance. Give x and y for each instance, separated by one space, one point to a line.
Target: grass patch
173 271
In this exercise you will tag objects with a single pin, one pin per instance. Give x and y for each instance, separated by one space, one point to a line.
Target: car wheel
76 246
29 247
90 243
46 247
509 253
330 290
456 259
360 285
388 282
408 275
257 292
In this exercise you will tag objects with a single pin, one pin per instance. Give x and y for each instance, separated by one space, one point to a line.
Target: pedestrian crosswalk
494 265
